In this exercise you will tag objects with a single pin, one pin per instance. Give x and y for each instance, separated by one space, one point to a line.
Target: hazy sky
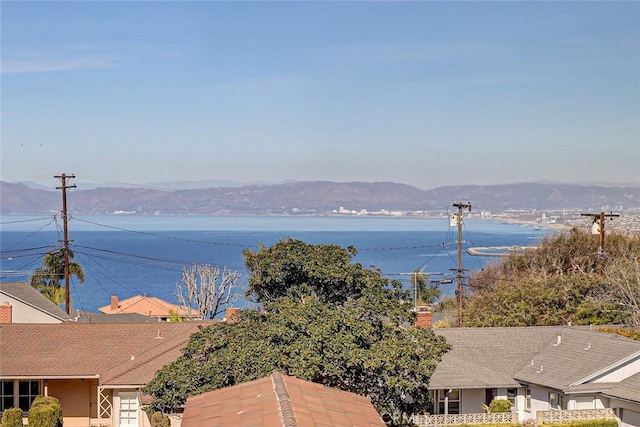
422 93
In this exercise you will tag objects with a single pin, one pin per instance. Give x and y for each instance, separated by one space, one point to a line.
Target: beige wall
23 313
75 399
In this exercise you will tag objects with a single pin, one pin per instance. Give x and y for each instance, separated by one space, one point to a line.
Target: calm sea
133 255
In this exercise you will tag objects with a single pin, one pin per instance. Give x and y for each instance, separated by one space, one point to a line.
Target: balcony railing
452 420
548 417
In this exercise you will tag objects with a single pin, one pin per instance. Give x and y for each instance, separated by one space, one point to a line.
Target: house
539 370
280 400
21 303
96 370
142 304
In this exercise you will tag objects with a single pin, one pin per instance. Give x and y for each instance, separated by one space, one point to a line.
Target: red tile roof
142 304
120 354
280 400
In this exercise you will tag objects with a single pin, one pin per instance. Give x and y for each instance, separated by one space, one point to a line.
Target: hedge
45 412
12 417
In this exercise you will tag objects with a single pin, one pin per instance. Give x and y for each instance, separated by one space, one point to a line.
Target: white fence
548 417
452 420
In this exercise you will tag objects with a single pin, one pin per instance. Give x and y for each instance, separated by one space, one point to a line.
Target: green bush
499 405
45 412
590 423
160 420
12 417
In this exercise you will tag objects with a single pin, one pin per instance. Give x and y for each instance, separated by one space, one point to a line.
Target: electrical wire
164 236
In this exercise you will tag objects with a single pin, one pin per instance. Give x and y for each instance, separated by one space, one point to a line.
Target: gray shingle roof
488 357
580 356
628 389
28 295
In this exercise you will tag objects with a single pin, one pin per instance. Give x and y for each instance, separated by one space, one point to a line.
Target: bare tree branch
205 291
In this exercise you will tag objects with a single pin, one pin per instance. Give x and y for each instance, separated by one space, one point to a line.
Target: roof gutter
49 377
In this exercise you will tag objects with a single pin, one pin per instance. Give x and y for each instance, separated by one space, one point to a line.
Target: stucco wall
23 313
472 401
75 400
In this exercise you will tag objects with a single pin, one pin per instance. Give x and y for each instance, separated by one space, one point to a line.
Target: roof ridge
151 353
47 310
284 402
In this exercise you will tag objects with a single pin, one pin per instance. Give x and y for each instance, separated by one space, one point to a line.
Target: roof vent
558 341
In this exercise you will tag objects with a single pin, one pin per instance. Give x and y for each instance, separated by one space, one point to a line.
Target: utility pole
63 178
460 288
599 219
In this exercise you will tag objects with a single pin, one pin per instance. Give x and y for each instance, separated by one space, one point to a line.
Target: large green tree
560 282
47 278
337 324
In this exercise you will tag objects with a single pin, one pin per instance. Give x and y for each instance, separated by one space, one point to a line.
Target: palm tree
46 279
425 292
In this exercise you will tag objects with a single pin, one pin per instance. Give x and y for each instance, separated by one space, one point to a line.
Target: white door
128 409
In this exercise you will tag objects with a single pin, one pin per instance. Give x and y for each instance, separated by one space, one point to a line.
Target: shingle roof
628 389
502 357
114 318
577 357
127 353
142 304
28 295
487 357
279 400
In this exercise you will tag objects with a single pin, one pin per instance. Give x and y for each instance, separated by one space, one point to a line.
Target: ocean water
133 255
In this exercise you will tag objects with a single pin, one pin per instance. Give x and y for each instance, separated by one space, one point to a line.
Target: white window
527 399
18 394
128 409
27 392
449 401
512 396
585 402
554 401
6 395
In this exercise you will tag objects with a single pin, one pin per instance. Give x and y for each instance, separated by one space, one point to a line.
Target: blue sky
421 93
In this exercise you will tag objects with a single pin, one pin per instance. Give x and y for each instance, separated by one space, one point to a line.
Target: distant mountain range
315 197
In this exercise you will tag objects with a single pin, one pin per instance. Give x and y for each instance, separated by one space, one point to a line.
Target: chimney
423 318
6 313
232 315
114 302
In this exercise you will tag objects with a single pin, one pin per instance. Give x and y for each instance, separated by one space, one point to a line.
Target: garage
629 418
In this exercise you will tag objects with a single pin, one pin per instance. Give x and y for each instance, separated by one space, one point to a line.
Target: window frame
513 399
447 405
18 396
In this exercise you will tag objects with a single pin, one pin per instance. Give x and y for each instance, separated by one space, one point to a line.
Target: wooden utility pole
63 178
460 287
599 219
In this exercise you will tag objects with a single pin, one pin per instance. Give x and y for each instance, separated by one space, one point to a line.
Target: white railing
452 420
548 417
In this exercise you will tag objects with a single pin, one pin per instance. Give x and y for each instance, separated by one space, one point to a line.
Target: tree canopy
559 283
46 279
326 320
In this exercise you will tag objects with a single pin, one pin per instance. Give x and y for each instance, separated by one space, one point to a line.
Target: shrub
45 412
499 405
590 423
160 420
12 417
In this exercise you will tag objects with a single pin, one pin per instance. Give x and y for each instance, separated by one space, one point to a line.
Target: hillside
315 197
